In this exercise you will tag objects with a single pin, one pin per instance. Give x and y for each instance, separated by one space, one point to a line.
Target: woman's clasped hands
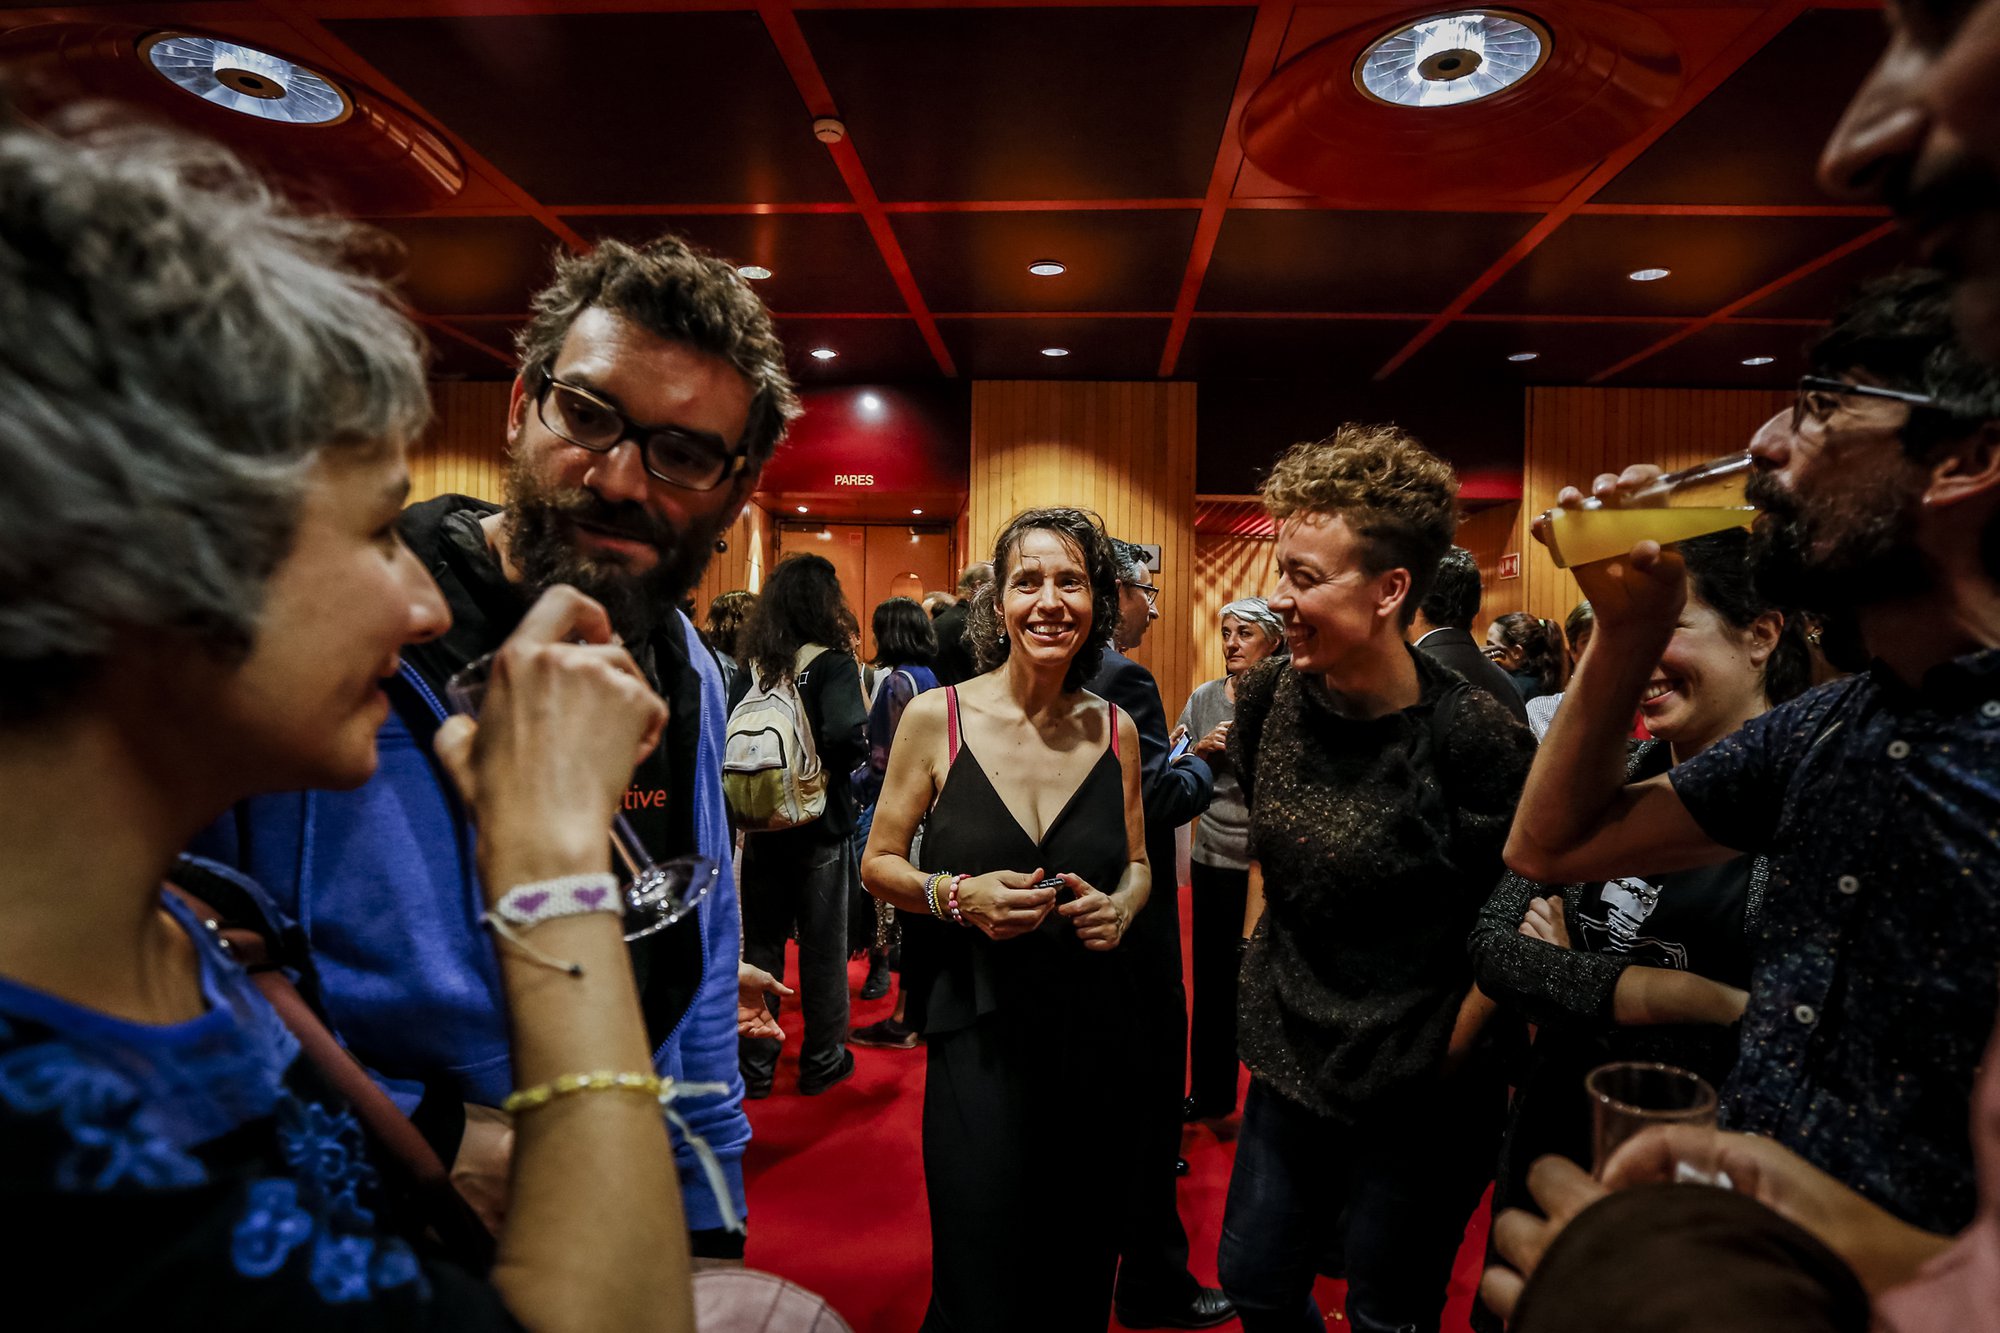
1008 903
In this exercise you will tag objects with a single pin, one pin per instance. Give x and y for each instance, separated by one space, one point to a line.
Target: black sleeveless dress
1026 1097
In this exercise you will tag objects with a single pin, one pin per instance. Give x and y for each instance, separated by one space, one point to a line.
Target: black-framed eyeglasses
1152 593
691 460
1817 395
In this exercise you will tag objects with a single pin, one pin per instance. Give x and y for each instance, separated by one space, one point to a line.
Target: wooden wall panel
1125 450
1225 568
1574 434
1489 534
465 450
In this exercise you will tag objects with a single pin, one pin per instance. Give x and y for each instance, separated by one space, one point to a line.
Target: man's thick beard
541 538
1833 564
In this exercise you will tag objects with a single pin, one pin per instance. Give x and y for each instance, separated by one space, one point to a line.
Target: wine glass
657 893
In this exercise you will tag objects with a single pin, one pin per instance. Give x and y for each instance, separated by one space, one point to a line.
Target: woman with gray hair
203 425
1220 869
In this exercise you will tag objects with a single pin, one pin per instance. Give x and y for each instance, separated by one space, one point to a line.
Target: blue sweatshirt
382 881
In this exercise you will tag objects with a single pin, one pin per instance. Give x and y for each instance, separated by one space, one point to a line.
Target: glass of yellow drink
1690 503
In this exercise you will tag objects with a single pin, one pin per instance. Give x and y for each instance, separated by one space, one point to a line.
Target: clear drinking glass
657 893
1690 503
1633 1095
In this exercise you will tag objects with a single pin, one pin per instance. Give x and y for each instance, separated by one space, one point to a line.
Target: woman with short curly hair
1380 788
1032 867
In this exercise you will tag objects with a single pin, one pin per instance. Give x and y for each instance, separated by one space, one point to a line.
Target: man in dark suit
1443 628
1155 1288
955 663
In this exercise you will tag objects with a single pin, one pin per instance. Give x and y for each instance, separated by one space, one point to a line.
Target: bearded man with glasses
1876 799
652 390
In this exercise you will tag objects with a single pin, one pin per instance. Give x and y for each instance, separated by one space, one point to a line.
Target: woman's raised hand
1005 903
566 717
1100 923
1216 741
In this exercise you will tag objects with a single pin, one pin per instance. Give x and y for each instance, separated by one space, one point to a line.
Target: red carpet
836 1189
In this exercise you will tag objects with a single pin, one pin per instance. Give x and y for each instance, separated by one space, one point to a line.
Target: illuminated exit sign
1510 565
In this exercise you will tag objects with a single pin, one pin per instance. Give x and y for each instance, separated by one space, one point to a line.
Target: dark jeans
1402 1183
1219 896
794 880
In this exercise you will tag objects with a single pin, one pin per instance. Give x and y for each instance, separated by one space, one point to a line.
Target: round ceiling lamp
244 79
1452 59
330 140
1461 108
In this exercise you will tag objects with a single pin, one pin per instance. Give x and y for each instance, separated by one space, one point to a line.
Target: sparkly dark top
1379 839
1878 966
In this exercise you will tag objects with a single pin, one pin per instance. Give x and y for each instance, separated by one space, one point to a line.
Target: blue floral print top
203 1166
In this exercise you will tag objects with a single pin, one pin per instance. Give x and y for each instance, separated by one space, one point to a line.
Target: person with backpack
797 715
905 648
1380 786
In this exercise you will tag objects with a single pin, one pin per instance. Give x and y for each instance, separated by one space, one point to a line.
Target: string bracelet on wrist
530 904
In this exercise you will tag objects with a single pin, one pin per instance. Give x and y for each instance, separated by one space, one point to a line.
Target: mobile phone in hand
1064 893
1180 748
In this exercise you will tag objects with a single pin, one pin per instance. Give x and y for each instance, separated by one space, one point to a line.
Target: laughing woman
1380 786
203 428
1021 777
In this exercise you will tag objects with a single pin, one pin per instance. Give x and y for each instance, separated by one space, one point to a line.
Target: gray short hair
175 349
1254 611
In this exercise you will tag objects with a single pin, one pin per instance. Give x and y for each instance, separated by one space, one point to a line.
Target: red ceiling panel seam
1260 54
478 344
1750 41
1839 252
298 16
790 39
1732 211
409 9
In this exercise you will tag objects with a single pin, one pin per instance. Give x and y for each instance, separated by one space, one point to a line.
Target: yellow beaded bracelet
602 1080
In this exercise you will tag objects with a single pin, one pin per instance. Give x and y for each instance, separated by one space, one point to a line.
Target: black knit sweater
1379 841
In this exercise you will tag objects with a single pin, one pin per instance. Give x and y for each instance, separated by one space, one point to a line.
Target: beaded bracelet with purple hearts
527 905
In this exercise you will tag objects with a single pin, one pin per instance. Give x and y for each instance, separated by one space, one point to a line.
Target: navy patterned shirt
1878 968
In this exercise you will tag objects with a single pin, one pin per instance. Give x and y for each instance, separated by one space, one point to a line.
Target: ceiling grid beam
1747 44
790 39
301 19
1260 55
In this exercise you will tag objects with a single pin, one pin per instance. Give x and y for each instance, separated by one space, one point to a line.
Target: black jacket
1173 793
955 662
1457 649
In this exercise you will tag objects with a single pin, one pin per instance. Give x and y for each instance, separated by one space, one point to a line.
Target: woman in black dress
1032 868
1656 966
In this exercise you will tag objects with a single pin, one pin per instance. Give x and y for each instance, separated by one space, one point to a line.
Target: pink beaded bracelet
956 915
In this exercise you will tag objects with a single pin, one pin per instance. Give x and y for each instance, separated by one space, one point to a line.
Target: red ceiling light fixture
321 135
1452 106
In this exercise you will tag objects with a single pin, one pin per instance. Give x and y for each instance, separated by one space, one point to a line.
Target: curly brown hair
671 289
1083 532
1398 497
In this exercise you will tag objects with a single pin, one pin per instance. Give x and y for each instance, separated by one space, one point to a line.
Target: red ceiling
982 136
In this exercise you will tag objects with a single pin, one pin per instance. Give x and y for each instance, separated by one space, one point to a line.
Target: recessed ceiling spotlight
1055 351
1648 274
1524 356
754 272
246 80
802 509
1450 59
824 354
917 512
870 404
1048 268
1758 360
